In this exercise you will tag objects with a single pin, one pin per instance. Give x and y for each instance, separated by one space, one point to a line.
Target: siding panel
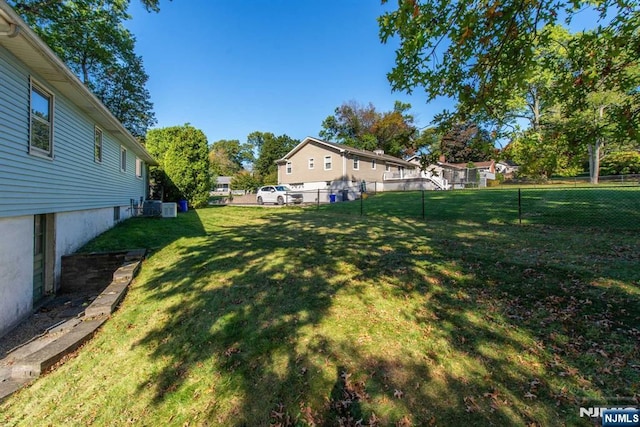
72 180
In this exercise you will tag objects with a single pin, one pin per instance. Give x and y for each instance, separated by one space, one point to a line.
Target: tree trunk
594 151
594 161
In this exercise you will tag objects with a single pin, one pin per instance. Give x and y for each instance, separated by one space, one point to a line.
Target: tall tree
89 36
542 148
485 55
182 152
541 155
480 53
351 124
467 142
122 88
270 149
601 93
364 127
36 6
226 157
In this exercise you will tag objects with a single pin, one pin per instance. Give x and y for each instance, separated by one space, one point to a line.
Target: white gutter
8 28
11 17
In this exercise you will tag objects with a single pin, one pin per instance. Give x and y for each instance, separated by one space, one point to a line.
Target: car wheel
260 201
280 200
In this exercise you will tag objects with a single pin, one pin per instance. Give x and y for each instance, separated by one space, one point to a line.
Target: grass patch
251 316
603 207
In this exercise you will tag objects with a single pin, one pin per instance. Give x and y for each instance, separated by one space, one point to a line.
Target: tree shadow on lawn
537 334
494 337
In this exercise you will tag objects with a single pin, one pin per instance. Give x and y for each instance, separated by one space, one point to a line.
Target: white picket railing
439 181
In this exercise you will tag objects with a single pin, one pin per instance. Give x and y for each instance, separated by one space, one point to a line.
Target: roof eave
56 73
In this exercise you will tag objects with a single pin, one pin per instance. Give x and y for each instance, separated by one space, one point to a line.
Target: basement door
42 256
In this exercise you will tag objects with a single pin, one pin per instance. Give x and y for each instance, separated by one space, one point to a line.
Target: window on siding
289 168
373 163
138 168
41 125
123 159
97 145
327 163
387 168
311 163
356 163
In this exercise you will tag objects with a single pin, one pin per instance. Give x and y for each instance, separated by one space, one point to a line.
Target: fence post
519 207
318 199
422 203
361 200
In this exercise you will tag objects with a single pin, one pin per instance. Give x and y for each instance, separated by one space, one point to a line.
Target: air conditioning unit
152 208
169 210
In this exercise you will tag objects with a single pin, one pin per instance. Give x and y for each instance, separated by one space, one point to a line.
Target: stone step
38 362
11 385
107 301
127 271
29 361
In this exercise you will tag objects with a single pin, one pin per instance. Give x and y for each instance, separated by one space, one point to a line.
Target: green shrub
621 163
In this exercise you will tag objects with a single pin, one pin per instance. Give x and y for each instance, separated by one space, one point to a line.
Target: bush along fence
603 206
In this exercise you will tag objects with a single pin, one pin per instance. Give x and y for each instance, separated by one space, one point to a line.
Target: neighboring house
460 175
69 170
315 164
507 168
223 184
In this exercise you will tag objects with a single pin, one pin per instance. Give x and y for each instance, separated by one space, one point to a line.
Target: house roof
464 165
341 148
24 43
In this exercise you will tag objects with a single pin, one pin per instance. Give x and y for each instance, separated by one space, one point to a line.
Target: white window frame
35 86
98 138
123 159
328 160
289 168
356 163
373 164
139 167
312 164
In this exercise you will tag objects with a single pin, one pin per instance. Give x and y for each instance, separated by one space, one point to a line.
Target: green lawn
299 316
604 207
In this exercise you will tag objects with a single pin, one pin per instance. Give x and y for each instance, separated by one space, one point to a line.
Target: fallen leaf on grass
471 404
231 350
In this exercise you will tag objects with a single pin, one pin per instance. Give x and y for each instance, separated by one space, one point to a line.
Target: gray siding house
69 170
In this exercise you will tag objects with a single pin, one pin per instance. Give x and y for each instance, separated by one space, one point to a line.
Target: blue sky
231 67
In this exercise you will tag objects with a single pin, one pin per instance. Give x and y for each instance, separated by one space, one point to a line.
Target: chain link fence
603 206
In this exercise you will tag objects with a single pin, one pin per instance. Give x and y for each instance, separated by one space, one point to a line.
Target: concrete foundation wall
71 230
16 271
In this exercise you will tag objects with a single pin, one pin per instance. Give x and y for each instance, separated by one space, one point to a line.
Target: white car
279 194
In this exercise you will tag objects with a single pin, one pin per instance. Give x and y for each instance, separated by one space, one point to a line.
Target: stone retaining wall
87 272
